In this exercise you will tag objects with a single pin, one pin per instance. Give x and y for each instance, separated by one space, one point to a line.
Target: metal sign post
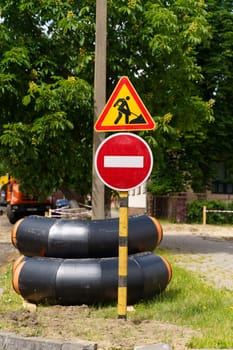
123 256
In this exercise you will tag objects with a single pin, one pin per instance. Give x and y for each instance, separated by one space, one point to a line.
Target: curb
9 341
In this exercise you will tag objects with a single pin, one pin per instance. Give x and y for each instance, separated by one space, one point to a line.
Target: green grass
9 300
187 302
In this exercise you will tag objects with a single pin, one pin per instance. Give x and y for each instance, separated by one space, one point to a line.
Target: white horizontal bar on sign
123 161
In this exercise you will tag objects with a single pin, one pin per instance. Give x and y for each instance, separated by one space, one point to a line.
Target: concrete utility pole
99 102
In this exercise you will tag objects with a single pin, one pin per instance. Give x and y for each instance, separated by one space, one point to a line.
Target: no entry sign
123 161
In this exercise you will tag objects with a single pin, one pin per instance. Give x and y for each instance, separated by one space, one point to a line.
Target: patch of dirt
195 246
73 323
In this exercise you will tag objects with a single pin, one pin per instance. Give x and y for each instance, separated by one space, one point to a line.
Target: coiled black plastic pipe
65 238
88 281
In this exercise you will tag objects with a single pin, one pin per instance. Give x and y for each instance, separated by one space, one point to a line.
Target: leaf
26 100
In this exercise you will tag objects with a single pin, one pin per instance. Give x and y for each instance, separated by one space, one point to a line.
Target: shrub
195 212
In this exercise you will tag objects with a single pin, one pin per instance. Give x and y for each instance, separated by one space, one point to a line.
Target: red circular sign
123 161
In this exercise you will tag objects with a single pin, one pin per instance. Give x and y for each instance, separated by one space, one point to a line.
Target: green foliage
195 212
36 145
46 124
47 71
217 69
212 142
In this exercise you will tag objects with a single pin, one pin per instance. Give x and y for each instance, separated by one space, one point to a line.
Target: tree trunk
69 194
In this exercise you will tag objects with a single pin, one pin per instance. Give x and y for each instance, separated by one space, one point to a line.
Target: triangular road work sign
124 110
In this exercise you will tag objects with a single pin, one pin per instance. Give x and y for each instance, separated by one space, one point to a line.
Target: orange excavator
20 204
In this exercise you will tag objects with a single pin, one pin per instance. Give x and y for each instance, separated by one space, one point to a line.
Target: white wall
137 197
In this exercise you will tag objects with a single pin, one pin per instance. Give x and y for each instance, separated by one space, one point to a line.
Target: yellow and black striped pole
123 256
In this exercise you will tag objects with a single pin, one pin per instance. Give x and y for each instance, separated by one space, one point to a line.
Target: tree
45 101
217 64
46 59
162 63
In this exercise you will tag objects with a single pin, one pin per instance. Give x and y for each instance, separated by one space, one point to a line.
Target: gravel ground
205 249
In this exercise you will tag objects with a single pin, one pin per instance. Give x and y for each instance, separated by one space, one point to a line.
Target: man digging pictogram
123 108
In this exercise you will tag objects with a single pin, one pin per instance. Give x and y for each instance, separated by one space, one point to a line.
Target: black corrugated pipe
89 281
65 238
